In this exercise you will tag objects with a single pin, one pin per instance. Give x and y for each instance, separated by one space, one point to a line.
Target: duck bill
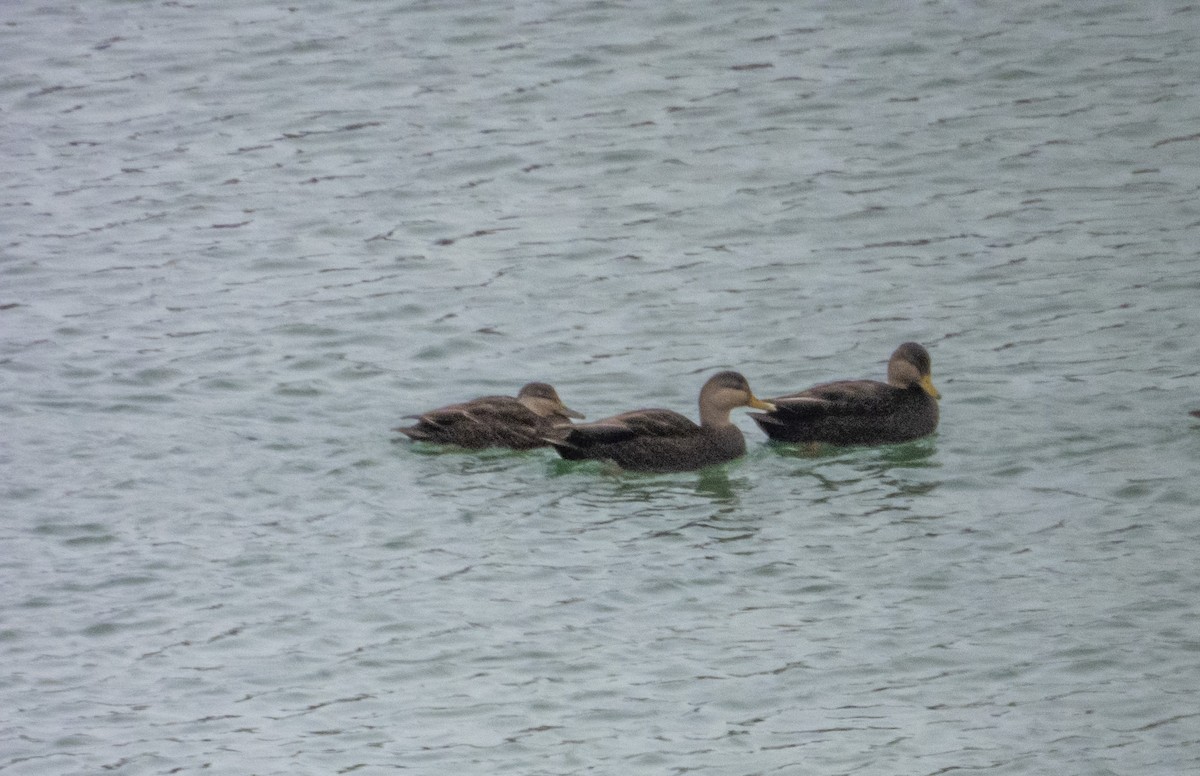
927 386
570 413
759 404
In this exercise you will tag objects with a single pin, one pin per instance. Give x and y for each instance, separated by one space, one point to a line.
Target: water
239 242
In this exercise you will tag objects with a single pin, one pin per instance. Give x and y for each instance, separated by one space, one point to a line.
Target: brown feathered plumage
659 440
495 421
861 412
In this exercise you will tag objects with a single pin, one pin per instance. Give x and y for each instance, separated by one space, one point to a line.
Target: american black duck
657 440
495 421
861 412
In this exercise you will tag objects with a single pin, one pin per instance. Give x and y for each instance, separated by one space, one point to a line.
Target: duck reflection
890 466
713 483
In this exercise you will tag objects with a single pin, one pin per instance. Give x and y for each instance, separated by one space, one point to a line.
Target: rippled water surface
238 242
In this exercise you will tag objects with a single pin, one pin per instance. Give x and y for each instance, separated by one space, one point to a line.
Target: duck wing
484 410
594 440
489 421
844 397
638 424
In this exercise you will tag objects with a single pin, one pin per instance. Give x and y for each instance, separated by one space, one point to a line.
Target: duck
661 440
861 412
520 423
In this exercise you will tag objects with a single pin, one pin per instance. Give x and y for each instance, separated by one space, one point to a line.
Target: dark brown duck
658 440
861 412
495 421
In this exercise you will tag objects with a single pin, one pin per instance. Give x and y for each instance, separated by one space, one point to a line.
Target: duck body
520 423
651 440
662 440
860 412
851 412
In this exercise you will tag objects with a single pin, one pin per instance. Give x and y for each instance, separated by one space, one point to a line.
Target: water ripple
241 242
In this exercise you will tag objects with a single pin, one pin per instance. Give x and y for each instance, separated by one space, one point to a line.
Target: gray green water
239 241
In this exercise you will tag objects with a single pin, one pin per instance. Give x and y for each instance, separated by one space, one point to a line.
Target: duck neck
713 417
